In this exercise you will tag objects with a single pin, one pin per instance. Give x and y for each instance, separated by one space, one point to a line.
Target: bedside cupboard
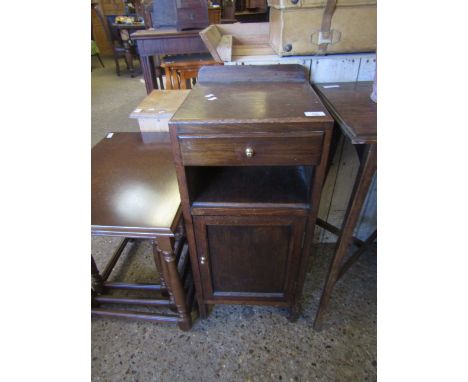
250 145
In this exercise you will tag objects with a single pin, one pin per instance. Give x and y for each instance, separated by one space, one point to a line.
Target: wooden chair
182 70
118 48
94 48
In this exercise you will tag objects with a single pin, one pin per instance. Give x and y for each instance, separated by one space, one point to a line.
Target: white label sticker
330 86
209 95
151 109
212 98
108 136
314 113
137 110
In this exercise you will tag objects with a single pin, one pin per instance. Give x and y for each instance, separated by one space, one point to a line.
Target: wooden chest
250 145
300 27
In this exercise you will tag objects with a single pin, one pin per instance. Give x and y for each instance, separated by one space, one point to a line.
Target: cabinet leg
294 312
202 309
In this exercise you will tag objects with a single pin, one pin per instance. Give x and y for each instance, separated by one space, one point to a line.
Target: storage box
298 27
155 111
226 42
301 27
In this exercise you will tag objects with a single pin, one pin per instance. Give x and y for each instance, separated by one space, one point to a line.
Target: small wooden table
155 42
135 196
356 115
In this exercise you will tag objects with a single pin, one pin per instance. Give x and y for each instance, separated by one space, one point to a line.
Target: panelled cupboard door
252 258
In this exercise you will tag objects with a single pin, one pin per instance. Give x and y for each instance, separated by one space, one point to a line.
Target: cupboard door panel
248 257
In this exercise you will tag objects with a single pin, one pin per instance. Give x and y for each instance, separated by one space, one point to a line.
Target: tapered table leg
363 181
149 74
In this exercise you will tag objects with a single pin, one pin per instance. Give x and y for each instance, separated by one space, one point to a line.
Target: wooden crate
227 42
155 111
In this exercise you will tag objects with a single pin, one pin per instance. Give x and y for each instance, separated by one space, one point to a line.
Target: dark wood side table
356 115
135 196
161 41
250 146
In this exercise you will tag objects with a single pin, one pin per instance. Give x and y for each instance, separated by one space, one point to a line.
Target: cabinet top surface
134 185
263 102
235 94
352 108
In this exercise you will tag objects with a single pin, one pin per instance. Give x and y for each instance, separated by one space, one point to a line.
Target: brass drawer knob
203 260
249 152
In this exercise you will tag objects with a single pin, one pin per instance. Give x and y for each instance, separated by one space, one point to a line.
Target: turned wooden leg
157 262
96 279
363 181
176 291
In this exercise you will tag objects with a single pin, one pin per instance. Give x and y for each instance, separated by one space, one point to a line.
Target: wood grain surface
351 106
134 185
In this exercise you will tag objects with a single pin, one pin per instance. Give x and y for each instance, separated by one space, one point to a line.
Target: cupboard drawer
251 150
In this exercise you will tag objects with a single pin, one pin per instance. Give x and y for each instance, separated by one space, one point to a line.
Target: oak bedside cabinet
250 145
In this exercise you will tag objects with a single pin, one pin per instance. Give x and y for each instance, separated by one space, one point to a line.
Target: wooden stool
135 196
181 71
